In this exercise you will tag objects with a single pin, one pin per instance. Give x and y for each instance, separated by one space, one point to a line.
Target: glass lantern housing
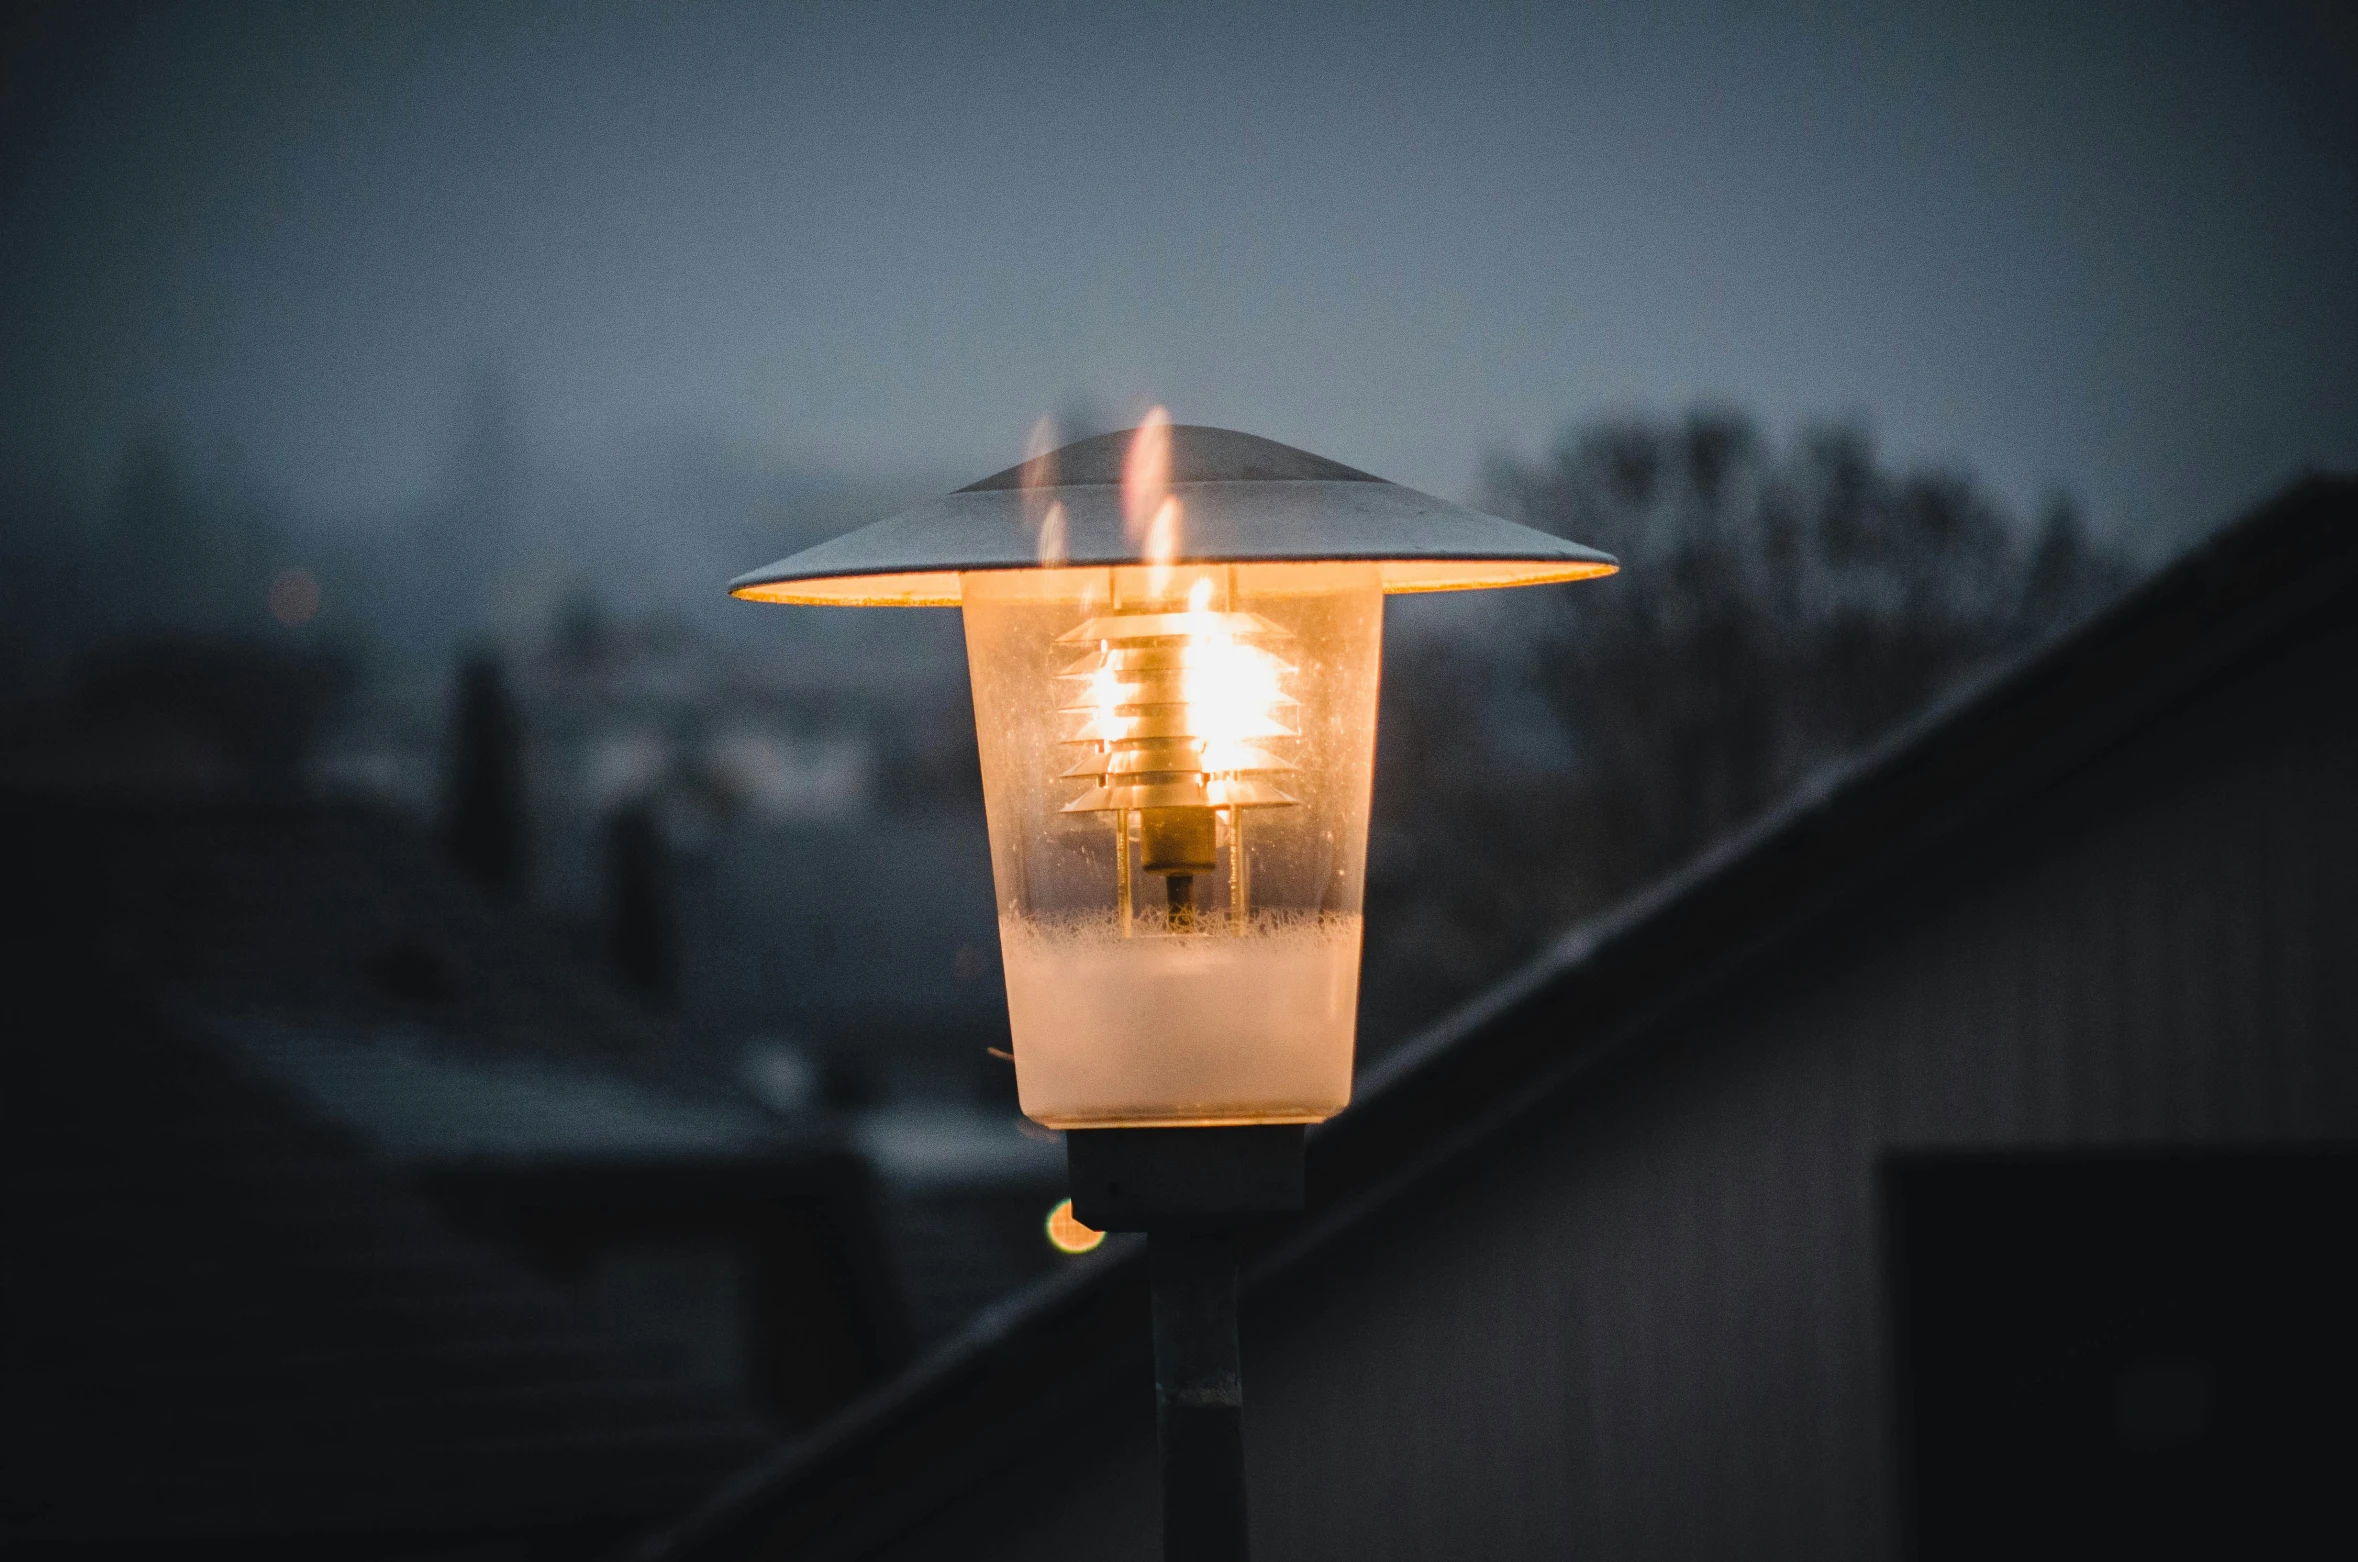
1177 765
1175 639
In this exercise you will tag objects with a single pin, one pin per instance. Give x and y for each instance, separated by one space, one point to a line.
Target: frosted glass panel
1176 763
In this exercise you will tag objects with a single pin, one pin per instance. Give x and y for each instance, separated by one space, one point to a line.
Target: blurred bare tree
1778 609
171 552
141 643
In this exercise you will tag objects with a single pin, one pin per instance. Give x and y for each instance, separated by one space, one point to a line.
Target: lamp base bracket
1207 1179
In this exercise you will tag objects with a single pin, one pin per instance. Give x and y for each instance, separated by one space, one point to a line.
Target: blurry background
390 389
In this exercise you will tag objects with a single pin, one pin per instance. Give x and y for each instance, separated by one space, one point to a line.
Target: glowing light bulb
1172 719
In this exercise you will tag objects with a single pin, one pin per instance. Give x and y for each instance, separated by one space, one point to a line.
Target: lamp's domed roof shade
1241 500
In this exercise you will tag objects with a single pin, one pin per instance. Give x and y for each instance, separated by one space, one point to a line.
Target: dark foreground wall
1655 1318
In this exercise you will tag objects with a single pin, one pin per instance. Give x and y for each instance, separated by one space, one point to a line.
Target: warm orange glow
1068 1235
1149 512
1231 688
912 588
1403 577
1039 455
1161 547
1174 707
1206 973
1052 549
1044 517
1146 475
939 588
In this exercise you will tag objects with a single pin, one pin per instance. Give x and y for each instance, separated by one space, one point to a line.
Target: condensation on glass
1177 763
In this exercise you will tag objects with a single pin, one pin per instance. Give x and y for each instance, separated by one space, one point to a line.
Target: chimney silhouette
483 823
639 938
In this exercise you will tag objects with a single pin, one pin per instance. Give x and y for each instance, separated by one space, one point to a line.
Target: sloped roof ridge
2078 692
1819 790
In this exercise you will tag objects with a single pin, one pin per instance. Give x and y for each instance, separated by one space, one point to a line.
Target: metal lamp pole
1190 1190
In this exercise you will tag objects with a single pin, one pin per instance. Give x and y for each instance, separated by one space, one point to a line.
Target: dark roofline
896 1457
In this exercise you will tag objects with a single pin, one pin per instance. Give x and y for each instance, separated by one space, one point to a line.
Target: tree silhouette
1777 609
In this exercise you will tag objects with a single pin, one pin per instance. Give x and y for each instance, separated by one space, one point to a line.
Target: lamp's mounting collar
1240 499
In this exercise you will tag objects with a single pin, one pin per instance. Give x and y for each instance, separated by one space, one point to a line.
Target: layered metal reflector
1174 710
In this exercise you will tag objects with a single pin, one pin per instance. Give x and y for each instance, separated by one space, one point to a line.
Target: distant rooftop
413 1098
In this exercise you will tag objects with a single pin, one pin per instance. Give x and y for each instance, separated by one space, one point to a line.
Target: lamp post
1174 636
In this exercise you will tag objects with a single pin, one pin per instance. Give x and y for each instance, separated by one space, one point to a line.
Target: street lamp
1174 636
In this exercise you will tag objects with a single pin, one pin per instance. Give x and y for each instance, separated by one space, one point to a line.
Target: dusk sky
2106 248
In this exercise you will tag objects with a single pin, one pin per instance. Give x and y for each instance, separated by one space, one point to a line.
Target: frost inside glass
1176 763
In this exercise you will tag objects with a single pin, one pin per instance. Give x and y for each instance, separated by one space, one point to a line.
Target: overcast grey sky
2105 247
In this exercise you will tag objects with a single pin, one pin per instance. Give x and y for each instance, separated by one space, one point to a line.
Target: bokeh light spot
1068 1235
294 596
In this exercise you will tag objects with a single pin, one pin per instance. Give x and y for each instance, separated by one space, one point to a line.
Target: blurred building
230 1332
821 834
1959 1163
809 845
353 1209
